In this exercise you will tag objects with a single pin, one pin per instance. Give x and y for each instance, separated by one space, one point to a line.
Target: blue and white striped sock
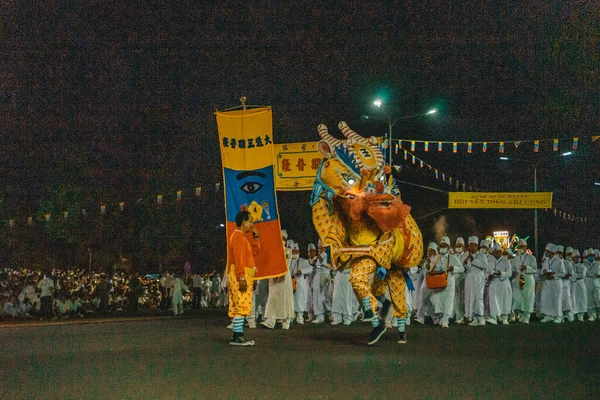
375 321
401 325
366 303
238 324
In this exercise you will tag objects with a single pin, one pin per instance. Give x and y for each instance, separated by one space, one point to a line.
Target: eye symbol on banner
251 187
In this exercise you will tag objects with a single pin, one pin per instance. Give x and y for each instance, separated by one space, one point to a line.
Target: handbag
437 280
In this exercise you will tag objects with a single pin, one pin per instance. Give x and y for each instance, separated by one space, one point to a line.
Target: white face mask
295 256
443 250
484 250
506 257
521 251
569 258
459 250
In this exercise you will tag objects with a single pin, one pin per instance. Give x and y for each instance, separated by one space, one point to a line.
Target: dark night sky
119 99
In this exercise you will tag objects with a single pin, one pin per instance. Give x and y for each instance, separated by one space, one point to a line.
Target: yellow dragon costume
359 215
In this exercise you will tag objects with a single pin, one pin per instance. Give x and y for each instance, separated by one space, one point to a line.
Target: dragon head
353 174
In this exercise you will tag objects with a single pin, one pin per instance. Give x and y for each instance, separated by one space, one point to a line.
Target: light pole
535 210
392 121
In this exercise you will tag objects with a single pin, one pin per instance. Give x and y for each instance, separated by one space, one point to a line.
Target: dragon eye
251 187
348 178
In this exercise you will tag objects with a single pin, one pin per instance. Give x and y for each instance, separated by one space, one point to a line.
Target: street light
391 122
535 211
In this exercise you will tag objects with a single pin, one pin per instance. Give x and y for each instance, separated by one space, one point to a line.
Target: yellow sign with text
500 200
296 165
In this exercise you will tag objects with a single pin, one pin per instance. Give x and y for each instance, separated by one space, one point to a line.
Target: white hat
597 252
484 243
290 244
508 250
522 242
460 240
474 240
311 246
570 250
296 247
319 243
551 247
284 234
576 253
560 248
433 246
496 247
587 252
446 240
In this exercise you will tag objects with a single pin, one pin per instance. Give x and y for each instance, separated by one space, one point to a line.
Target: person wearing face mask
592 284
500 296
424 297
459 292
301 269
475 282
524 269
578 292
553 271
443 299
567 304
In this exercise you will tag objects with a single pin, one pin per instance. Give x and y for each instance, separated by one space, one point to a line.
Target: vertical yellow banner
246 141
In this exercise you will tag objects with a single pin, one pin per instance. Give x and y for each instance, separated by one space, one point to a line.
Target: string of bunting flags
103 208
408 156
440 175
430 145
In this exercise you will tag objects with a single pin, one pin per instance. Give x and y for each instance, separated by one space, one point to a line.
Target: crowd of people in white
486 283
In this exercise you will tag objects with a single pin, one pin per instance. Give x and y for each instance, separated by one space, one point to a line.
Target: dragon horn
350 134
330 140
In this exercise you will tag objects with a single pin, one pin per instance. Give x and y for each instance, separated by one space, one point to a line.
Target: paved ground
189 357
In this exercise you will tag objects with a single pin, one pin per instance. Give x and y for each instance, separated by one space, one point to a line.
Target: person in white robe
567 301
178 289
280 301
485 248
524 267
425 308
301 270
459 293
553 271
578 291
475 283
498 274
416 275
320 282
344 304
592 283
443 299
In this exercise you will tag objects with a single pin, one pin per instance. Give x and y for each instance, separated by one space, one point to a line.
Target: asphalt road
189 357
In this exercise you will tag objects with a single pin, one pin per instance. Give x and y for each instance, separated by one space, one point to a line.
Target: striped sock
366 303
238 324
401 325
375 321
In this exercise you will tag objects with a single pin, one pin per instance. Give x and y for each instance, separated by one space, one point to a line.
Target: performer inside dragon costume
360 217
